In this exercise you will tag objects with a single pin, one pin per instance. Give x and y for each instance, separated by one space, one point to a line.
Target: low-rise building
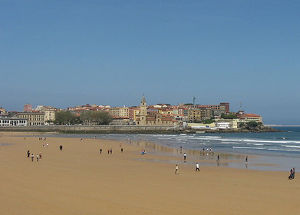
12 121
33 118
247 117
201 126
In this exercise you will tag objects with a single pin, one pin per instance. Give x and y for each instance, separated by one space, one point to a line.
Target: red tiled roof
250 115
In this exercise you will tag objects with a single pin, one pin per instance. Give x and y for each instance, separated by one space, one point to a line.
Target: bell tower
143 111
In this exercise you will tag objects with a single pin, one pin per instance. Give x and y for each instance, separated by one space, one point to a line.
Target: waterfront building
119 112
227 123
201 126
218 124
33 118
199 114
133 112
215 110
247 117
12 121
49 113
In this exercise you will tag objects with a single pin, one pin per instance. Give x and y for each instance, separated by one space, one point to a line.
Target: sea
272 150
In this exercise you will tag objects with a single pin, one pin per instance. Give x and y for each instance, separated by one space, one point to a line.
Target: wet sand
78 180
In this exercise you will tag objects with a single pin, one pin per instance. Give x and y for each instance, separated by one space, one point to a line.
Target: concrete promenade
96 129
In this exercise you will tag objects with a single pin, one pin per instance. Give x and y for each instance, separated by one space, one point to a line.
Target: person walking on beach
184 157
100 151
110 151
28 153
32 157
60 147
37 157
197 167
218 158
246 160
176 169
293 173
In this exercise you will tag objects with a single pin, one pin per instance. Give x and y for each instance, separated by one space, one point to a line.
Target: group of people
110 151
208 151
31 155
218 157
39 155
197 169
292 174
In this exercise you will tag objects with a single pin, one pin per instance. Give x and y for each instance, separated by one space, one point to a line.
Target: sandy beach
80 181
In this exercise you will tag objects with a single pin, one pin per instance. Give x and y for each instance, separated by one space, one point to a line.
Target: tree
101 117
228 116
85 117
95 117
251 124
66 118
241 125
208 121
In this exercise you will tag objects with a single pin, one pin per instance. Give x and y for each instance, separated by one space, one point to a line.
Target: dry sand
80 181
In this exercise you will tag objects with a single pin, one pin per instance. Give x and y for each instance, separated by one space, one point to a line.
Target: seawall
96 129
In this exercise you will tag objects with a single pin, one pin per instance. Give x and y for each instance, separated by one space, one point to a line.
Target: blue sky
65 53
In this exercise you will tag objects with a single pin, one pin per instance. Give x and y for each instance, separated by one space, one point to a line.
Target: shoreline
261 162
172 155
130 130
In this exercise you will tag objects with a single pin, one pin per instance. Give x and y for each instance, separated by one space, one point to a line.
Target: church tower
143 111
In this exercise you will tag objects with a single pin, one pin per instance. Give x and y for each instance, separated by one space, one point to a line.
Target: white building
223 125
10 121
227 123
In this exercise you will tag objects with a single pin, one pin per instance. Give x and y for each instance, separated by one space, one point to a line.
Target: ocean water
269 143
278 150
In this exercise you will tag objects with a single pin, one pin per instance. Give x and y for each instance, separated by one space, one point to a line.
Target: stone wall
95 129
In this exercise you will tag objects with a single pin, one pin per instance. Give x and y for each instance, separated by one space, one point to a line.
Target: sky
69 52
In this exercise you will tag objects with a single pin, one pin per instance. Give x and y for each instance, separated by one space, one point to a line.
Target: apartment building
119 112
195 115
33 118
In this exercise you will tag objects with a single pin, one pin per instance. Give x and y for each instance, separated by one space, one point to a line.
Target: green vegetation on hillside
228 116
